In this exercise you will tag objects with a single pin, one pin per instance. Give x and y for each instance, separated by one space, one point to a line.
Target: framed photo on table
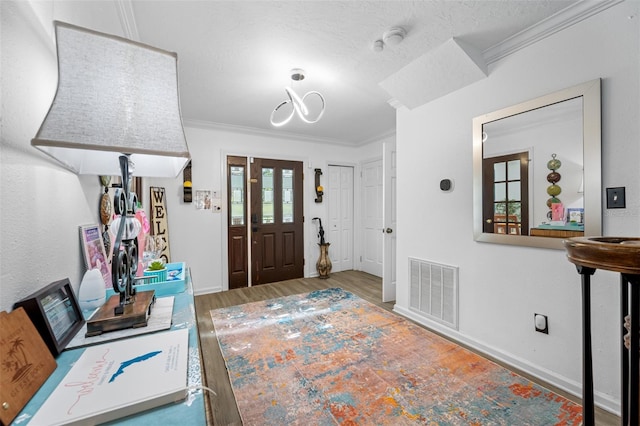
95 256
575 215
55 313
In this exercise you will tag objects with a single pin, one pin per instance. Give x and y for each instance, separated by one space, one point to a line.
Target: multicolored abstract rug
329 357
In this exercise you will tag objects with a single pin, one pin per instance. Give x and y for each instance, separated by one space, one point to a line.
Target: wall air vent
434 291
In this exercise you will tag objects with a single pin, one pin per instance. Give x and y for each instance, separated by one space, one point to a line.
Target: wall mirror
537 170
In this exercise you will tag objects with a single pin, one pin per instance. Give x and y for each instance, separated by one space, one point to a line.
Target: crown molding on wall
555 23
208 125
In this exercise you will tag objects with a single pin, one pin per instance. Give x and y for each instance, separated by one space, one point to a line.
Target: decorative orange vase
323 265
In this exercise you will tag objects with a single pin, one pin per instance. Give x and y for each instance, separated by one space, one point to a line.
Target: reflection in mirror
537 169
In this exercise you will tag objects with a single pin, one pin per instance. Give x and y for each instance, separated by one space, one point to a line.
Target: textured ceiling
234 57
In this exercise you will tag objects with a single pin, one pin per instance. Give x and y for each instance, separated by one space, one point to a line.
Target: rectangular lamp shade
114 97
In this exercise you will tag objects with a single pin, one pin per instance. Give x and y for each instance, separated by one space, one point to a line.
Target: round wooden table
618 254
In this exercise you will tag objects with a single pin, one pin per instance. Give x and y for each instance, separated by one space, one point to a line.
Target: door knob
388 230
488 220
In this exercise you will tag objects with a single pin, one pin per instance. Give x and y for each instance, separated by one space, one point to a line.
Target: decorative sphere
553 200
554 190
554 163
553 177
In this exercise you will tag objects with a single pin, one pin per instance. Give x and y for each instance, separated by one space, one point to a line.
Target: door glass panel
287 196
237 195
514 191
499 172
514 212
500 191
267 195
514 170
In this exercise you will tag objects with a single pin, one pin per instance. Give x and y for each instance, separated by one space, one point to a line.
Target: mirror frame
592 163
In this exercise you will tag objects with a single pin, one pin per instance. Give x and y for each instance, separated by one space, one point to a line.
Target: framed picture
55 313
94 255
575 215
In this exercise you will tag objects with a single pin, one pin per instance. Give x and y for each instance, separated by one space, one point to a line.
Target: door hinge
304 262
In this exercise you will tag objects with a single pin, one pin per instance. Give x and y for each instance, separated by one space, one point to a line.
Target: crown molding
563 19
210 125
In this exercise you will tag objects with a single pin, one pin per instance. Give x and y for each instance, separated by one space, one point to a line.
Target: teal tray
175 283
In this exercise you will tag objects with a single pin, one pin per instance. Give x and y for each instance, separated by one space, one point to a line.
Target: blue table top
190 411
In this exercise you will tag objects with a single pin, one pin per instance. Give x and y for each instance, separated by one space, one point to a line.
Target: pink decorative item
557 212
142 235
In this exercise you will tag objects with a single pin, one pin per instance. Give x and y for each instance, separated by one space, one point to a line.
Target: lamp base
136 314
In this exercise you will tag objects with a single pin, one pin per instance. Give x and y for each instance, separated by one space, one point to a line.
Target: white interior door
340 192
372 217
389 220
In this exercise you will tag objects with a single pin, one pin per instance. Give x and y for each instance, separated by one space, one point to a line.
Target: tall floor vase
323 265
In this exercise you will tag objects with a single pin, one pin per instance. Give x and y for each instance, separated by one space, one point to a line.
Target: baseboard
606 402
207 290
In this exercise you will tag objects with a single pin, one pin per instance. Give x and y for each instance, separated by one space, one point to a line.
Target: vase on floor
323 265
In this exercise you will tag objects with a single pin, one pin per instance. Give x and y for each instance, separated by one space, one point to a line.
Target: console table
191 411
618 255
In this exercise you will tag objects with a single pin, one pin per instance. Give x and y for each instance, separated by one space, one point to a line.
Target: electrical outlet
616 198
541 323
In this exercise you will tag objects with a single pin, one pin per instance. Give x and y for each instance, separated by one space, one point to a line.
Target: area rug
328 357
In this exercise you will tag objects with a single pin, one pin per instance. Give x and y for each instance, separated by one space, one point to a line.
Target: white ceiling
234 57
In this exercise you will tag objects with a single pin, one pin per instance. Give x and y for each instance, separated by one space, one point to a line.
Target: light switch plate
616 198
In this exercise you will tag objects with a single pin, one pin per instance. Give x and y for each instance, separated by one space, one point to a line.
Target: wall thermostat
446 184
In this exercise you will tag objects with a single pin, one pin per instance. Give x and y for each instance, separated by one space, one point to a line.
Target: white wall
501 287
199 237
42 205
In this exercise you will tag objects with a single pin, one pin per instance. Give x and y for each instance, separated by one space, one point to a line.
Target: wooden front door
276 221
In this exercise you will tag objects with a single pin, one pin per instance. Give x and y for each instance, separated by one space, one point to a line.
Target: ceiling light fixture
297 103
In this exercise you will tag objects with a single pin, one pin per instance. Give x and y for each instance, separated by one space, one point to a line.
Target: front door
276 221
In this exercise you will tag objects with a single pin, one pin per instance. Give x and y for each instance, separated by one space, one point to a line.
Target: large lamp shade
114 97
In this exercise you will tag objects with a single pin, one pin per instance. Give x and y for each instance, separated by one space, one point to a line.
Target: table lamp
116 112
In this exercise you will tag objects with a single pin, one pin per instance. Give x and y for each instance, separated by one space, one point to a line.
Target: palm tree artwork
16 360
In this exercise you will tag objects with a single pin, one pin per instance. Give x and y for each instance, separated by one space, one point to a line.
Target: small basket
158 276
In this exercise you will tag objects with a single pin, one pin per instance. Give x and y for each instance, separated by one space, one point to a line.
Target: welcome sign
159 223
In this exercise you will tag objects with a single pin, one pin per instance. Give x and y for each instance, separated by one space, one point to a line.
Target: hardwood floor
222 409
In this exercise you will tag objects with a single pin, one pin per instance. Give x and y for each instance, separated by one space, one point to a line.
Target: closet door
340 226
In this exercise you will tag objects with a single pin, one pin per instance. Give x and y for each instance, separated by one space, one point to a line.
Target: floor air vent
434 291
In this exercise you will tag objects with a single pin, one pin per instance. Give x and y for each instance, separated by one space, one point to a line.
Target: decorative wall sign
203 199
159 222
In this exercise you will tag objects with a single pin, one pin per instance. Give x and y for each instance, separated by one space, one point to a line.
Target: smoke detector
394 36
297 74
